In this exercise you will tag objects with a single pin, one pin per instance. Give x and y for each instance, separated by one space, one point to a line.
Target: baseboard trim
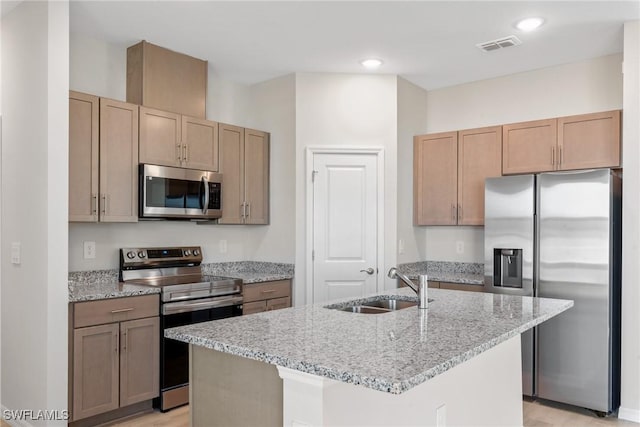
629 414
12 422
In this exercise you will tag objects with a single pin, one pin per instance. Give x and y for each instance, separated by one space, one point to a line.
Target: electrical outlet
223 246
89 250
459 247
400 246
15 252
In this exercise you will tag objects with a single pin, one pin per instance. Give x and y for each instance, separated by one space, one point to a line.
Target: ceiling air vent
499 43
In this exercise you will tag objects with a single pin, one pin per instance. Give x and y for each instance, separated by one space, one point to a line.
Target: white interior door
345 224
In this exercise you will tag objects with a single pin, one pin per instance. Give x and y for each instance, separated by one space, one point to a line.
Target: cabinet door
479 157
95 370
461 287
254 307
529 147
278 303
435 179
589 141
200 144
139 360
256 175
118 161
160 133
83 157
231 140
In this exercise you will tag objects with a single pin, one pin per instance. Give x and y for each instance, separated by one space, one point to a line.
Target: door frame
310 153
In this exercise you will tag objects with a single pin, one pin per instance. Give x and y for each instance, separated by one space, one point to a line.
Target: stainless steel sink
375 305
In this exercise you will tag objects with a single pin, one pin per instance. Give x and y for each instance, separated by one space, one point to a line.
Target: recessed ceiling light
529 24
371 63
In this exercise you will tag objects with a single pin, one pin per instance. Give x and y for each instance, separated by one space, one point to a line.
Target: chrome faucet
420 290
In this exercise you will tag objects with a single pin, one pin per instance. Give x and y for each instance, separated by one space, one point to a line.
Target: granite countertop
104 290
251 271
442 271
390 352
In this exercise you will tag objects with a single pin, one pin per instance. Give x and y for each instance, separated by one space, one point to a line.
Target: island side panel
483 391
227 390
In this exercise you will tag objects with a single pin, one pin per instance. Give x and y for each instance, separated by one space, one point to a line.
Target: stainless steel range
187 297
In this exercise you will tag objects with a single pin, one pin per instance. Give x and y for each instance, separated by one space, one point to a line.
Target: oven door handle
185 307
205 208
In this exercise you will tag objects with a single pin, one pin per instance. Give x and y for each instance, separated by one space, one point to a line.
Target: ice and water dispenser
507 268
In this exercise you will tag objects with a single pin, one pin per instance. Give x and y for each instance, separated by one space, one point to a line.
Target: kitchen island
457 363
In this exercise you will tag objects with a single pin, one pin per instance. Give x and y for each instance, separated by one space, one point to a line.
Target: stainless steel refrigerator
558 235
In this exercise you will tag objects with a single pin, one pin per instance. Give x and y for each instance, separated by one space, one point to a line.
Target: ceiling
430 43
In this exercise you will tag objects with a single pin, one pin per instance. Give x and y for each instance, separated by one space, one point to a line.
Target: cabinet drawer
254 307
114 310
267 290
278 303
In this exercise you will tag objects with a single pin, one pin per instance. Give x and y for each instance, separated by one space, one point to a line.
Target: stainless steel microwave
177 193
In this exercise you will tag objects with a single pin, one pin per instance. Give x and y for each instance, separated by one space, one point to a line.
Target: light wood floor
536 414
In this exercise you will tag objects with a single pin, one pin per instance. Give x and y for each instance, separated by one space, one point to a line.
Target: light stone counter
391 352
102 284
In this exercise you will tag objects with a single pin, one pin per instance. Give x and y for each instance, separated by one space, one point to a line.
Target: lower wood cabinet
448 285
114 364
266 296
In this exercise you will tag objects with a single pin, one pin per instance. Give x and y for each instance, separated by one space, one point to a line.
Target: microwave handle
205 208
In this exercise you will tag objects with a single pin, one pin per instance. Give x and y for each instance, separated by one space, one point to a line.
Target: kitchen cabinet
171 139
116 354
103 159
449 173
167 80
266 296
244 164
566 143
462 287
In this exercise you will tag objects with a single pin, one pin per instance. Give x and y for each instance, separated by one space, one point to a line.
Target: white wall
34 146
273 108
412 120
346 110
99 68
577 88
630 387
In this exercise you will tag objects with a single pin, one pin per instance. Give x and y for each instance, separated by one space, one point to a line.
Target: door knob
369 270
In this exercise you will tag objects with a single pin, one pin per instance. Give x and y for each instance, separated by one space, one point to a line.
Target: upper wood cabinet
529 147
566 143
449 173
103 159
166 80
479 157
170 139
435 159
244 164
589 141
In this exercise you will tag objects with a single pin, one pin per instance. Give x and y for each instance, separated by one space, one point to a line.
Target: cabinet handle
124 343
453 211
104 204
185 153
243 212
122 310
459 211
179 149
115 340
560 163
94 202
268 291
553 156
248 210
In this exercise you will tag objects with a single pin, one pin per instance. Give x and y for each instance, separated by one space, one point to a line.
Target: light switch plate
15 252
459 247
89 250
441 416
401 246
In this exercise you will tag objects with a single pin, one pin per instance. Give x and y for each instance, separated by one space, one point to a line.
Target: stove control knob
141 254
196 252
187 252
131 254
